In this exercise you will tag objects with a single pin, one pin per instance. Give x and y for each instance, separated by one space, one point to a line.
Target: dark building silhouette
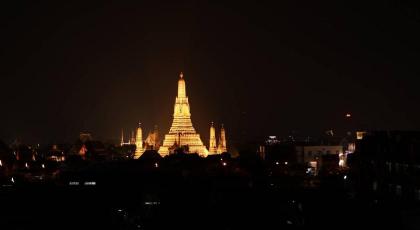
386 165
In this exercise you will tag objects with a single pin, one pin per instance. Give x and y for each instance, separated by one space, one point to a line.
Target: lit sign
90 183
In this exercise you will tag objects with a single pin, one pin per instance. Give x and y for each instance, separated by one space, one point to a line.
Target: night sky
260 68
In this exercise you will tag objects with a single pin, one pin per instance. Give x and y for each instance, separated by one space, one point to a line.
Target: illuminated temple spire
139 143
181 86
122 137
132 139
182 131
222 141
212 144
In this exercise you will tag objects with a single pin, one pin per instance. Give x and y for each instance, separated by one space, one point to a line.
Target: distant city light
348 115
43 166
341 163
13 180
313 164
272 140
90 183
224 164
151 202
345 177
73 183
360 135
285 162
277 163
156 165
1 164
26 165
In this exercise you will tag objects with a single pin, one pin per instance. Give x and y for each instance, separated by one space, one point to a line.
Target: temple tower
122 137
212 143
139 143
222 141
132 139
182 131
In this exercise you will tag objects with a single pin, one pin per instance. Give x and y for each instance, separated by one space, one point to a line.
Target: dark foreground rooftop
189 193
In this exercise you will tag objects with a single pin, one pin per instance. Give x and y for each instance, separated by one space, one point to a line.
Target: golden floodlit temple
182 134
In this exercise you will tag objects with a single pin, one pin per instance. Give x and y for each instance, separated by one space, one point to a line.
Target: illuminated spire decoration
212 143
181 87
122 137
139 143
222 141
133 138
182 131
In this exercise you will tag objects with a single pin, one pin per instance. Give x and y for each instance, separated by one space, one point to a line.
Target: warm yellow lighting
139 143
182 132
212 145
152 141
352 147
221 148
360 135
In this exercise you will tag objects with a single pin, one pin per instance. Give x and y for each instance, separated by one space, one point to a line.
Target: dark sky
265 68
